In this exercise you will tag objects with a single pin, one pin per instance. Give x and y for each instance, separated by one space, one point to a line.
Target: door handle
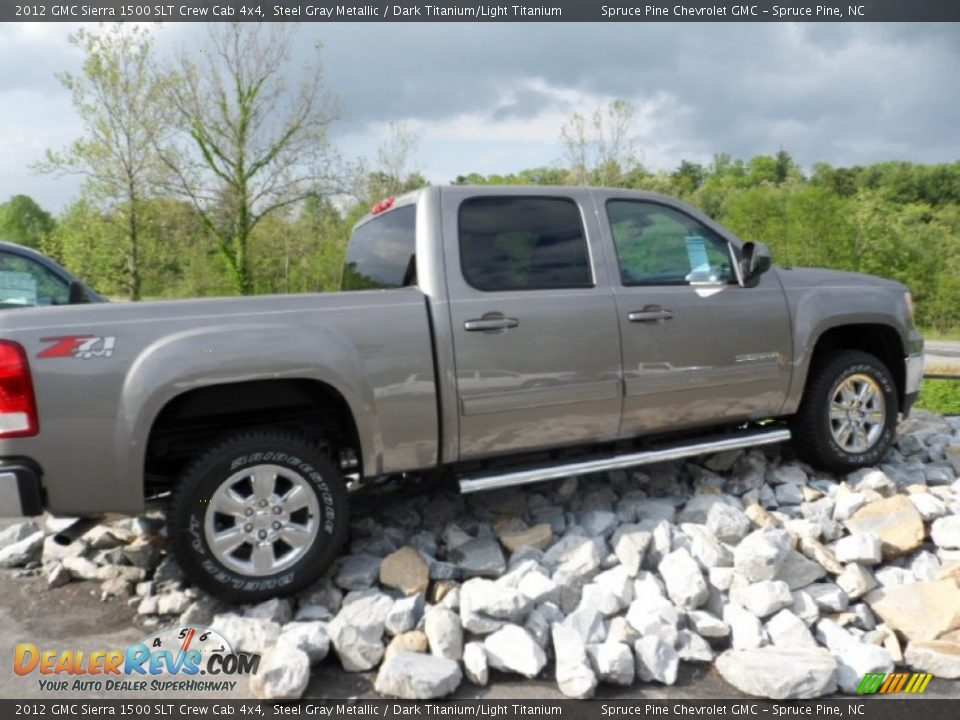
490 323
651 313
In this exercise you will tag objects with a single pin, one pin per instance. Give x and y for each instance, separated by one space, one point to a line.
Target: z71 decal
81 347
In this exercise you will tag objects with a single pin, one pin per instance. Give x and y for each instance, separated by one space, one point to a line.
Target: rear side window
25 282
523 243
382 252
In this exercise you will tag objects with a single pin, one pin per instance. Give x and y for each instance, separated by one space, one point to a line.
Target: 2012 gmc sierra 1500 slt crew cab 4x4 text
496 335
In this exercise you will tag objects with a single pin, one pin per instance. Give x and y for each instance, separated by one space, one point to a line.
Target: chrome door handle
488 323
650 314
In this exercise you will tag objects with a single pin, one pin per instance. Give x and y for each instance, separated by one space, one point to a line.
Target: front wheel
258 515
848 415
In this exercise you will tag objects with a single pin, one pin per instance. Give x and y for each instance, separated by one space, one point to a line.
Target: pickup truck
492 336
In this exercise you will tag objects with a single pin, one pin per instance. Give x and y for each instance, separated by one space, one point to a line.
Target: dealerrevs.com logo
184 659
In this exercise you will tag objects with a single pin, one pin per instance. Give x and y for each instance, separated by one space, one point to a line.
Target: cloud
492 97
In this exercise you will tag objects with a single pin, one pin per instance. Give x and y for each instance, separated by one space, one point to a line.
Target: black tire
813 438
190 504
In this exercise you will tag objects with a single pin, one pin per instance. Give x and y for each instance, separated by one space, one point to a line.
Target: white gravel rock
792 474
416 676
728 523
707 624
513 649
788 494
856 581
278 610
654 616
613 662
357 630
587 622
404 614
925 566
358 572
805 607
494 599
683 579
693 648
575 676
656 660
538 587
763 598
798 572
831 635
934 656
573 556
475 664
945 532
745 629
310 637
780 674
283 674
928 505
857 660
828 596
18 532
786 630
630 543
442 627
246 634
21 552
706 549
599 597
861 547
761 553
620 584
481 557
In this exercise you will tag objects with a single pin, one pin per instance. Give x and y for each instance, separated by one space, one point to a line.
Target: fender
815 310
213 355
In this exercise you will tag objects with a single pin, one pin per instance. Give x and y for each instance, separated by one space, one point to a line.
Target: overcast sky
492 97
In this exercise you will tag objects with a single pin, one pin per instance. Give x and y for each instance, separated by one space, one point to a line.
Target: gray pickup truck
496 336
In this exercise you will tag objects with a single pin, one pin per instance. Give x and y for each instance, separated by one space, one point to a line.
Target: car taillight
18 408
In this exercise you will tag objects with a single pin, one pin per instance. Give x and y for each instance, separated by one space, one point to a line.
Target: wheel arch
195 419
881 340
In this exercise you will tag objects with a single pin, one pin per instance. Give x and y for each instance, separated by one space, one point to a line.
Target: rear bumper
913 381
20 491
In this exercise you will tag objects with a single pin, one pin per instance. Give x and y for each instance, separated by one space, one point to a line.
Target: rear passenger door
535 332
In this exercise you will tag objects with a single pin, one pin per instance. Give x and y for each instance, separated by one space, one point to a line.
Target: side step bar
603 463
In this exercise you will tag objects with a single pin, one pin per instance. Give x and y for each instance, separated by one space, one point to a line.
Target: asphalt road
943 354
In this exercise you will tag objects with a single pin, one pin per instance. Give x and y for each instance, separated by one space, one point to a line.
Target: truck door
698 349
534 325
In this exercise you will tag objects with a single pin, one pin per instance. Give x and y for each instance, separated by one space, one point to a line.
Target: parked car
29 278
496 335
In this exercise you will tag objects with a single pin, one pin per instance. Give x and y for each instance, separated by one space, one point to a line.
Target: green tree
248 146
23 221
120 101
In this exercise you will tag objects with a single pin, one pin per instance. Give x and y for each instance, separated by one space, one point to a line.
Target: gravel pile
793 583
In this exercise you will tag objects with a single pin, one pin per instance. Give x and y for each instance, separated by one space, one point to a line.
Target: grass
942 396
929 334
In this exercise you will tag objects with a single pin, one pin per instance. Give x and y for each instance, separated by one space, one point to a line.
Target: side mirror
755 260
77 294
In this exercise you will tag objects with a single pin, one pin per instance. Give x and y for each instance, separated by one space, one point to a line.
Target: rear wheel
848 416
258 515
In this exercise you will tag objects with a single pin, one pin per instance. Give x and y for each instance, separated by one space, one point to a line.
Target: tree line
215 176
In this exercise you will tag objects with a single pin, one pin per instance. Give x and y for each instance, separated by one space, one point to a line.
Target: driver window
24 283
657 245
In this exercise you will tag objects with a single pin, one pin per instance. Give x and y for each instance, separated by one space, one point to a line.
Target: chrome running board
604 463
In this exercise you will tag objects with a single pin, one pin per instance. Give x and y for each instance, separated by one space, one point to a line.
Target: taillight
18 408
